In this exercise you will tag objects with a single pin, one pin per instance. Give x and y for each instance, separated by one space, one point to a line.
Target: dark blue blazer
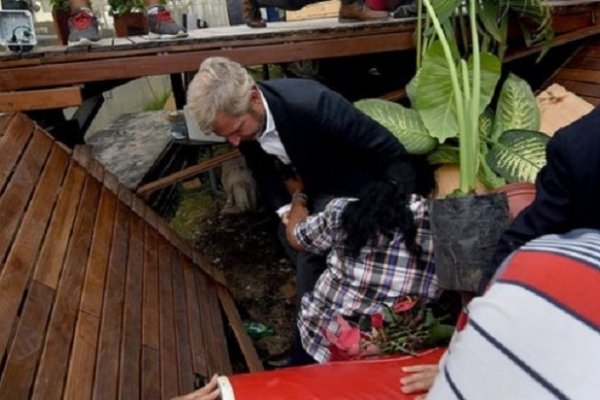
568 188
336 149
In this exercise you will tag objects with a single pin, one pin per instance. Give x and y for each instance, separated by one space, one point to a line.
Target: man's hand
420 378
210 391
294 184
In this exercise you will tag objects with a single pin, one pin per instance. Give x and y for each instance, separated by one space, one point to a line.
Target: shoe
83 28
251 13
161 25
358 11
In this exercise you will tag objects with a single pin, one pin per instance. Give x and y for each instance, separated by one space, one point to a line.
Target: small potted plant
129 17
60 14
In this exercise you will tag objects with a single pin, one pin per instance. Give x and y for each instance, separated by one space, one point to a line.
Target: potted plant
129 18
60 14
450 94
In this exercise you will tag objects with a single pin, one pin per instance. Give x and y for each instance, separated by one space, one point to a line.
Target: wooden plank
107 361
235 321
52 372
27 346
215 344
17 134
187 173
150 300
196 331
595 101
4 120
18 191
582 75
150 374
184 349
40 99
56 240
129 381
83 155
168 352
17 269
83 356
120 68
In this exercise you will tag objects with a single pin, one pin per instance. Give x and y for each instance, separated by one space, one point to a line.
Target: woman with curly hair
378 247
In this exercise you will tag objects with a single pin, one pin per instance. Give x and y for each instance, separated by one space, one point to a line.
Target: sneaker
161 24
83 28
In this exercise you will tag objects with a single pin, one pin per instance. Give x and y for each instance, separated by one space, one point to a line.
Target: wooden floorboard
109 341
4 120
197 340
168 350
17 134
20 187
129 369
22 257
53 251
52 371
99 297
184 353
25 351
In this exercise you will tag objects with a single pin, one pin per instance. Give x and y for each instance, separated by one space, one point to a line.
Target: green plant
451 94
60 5
119 7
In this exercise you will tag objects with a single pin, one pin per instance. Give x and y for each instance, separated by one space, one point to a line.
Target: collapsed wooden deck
581 74
99 298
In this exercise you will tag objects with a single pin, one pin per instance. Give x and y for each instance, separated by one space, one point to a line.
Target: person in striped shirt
535 334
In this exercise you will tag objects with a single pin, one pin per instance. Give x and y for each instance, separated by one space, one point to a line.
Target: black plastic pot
465 233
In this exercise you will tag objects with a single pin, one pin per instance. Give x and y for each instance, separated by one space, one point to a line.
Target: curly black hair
384 206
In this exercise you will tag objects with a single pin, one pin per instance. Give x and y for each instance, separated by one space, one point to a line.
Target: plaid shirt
383 272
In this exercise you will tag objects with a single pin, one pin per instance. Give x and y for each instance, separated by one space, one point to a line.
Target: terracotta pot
377 5
61 24
130 24
520 195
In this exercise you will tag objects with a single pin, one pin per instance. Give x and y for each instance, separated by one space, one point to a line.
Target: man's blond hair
221 85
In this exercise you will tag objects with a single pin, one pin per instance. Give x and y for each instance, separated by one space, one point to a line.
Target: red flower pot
377 5
520 196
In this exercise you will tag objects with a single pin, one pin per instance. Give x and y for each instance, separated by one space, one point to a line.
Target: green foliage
404 123
517 108
119 7
518 155
60 5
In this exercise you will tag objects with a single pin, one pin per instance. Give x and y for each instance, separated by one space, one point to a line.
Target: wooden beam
133 67
40 99
187 173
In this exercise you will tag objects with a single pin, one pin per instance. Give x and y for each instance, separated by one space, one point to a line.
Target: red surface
378 5
520 195
344 380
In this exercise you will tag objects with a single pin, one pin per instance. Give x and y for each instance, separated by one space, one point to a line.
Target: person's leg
357 10
160 22
251 9
350 10
83 25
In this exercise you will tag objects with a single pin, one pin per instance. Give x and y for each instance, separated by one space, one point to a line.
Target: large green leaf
486 122
444 8
518 155
517 108
490 75
404 123
485 174
433 97
434 93
443 154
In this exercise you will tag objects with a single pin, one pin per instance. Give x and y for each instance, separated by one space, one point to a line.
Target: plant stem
458 95
419 33
472 142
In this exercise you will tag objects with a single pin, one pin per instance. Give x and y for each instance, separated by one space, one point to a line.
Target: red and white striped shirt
536 333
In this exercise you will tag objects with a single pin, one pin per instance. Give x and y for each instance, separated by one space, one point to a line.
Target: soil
259 274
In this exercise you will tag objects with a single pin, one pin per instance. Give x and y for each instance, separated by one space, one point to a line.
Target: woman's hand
420 378
210 391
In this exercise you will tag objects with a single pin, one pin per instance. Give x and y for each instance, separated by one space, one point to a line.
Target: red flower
404 305
377 321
